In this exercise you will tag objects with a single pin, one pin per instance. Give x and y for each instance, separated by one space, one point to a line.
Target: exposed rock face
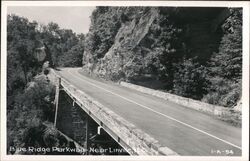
132 43
123 59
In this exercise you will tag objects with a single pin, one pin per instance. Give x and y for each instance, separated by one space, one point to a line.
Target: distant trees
60 42
73 56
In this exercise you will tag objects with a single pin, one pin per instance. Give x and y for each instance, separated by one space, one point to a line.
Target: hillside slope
167 48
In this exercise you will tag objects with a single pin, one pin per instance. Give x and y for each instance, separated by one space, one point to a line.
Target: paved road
186 131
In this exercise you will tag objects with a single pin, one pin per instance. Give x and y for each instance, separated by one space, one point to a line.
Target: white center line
143 106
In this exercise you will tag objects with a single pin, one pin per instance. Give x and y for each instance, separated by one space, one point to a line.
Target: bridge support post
87 134
57 99
99 130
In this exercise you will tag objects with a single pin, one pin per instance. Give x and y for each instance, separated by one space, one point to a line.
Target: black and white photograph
98 80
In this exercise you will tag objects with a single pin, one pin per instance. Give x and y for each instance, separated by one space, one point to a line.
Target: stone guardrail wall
187 102
135 141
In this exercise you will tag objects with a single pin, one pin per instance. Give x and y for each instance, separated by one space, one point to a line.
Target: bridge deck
186 131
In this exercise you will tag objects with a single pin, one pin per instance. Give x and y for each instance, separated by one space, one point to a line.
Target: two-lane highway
186 131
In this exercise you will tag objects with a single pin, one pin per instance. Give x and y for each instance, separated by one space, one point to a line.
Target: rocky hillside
167 48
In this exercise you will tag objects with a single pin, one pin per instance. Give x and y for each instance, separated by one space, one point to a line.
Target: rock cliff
130 42
168 48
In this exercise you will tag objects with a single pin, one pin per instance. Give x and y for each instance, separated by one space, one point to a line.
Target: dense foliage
29 93
32 107
190 79
21 43
25 40
225 69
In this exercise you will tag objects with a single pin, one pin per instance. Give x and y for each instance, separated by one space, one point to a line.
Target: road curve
186 131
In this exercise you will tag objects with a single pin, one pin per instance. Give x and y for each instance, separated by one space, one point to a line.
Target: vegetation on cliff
29 45
191 52
30 95
225 66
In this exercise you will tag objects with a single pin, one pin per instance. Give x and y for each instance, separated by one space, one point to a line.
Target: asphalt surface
185 131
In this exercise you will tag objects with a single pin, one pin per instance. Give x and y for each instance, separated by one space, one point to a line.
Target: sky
75 18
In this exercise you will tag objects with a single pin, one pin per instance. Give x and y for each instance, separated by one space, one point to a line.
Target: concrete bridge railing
132 139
